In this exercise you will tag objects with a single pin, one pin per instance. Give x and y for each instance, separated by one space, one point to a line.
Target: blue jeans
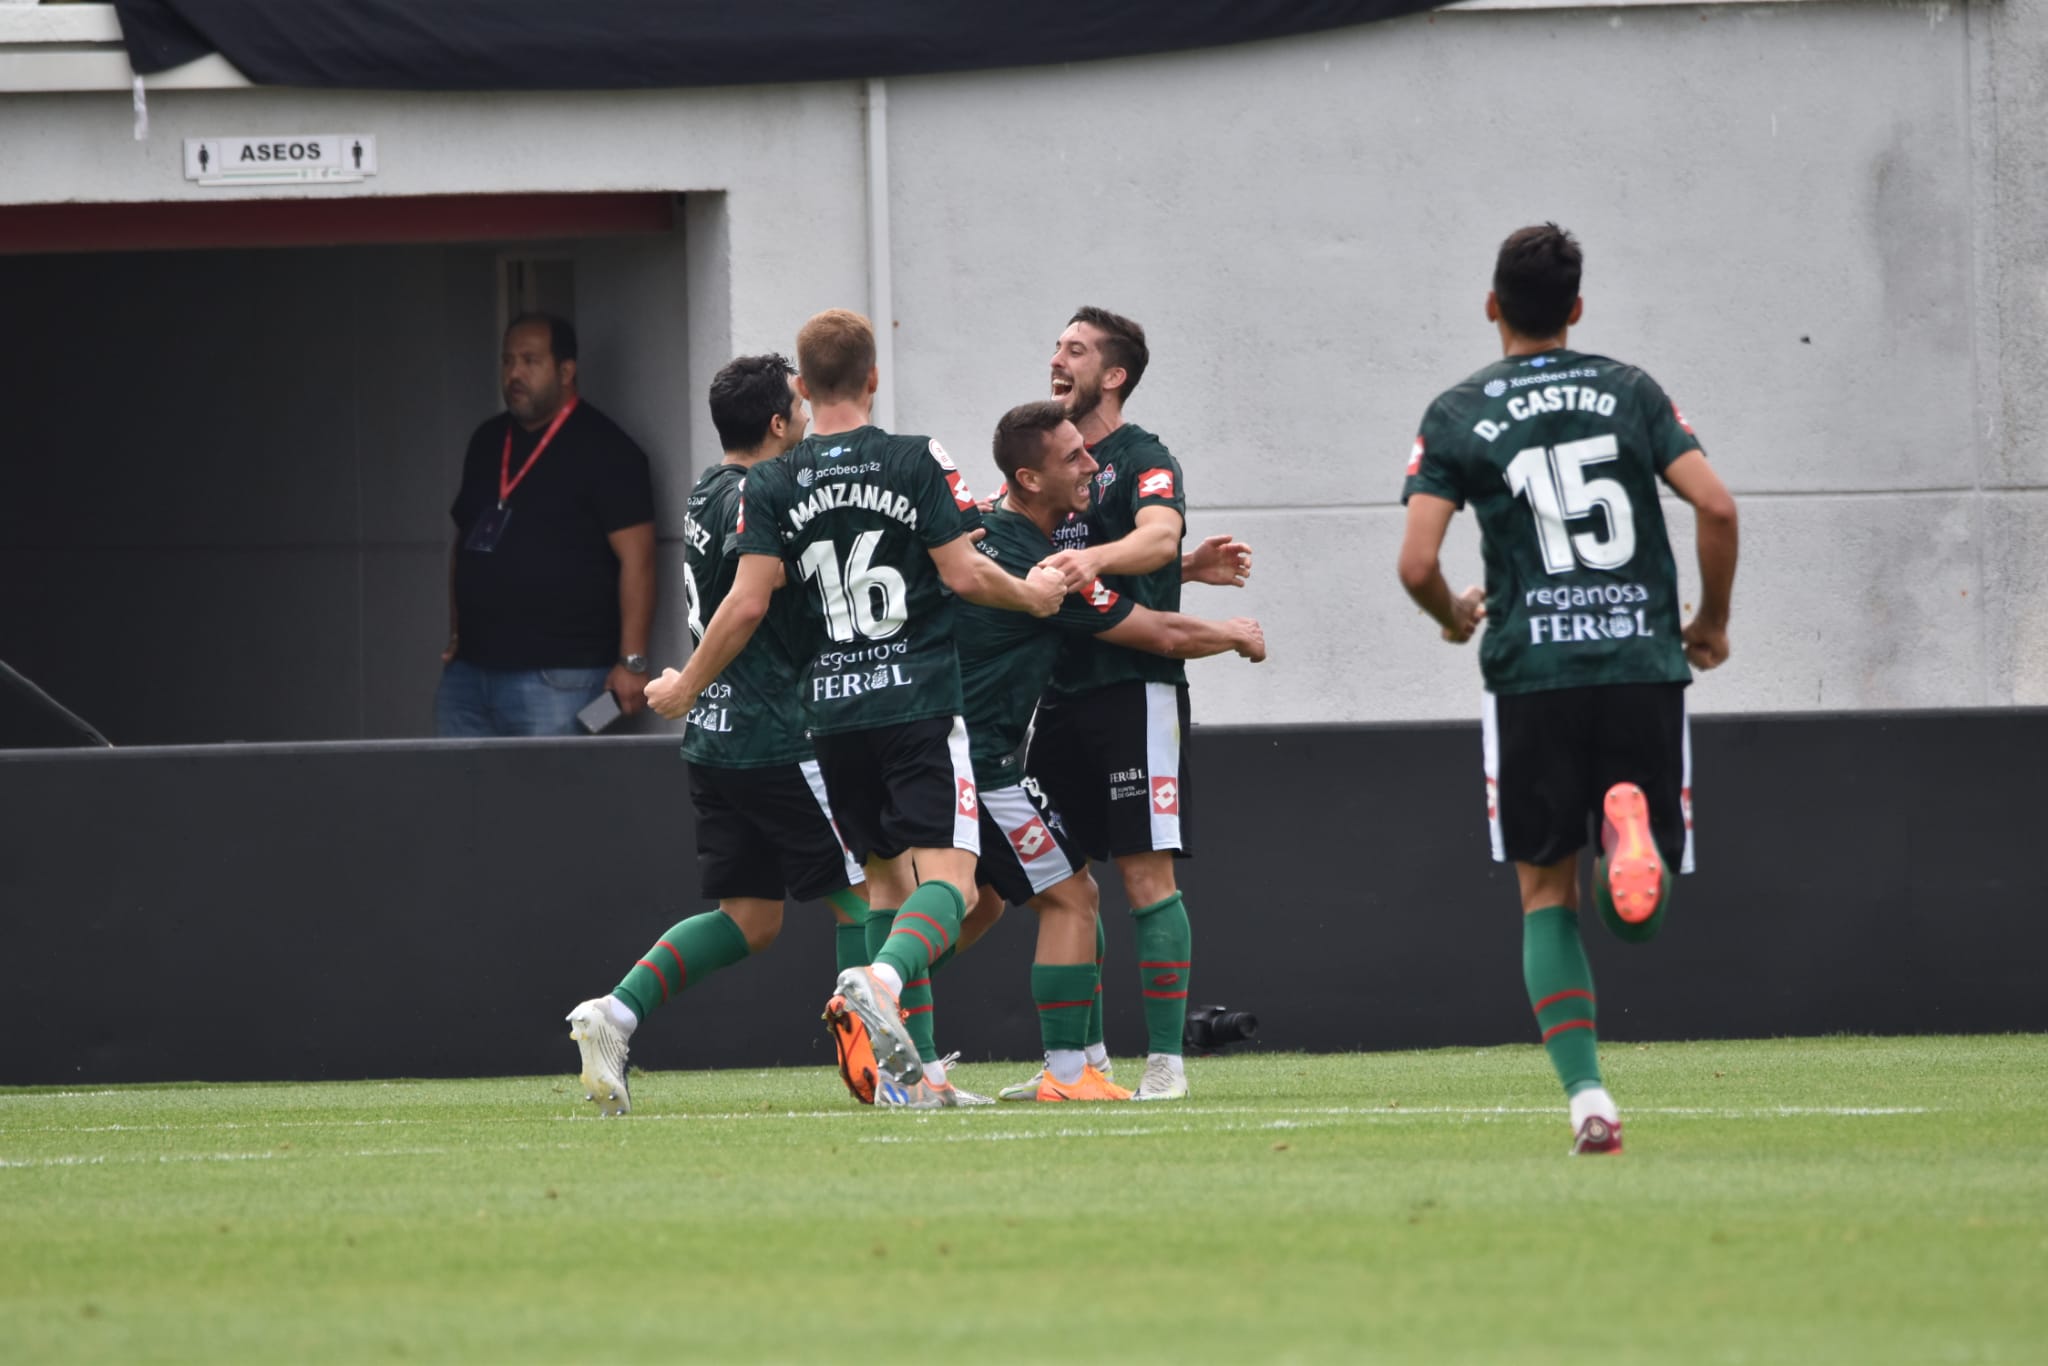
473 701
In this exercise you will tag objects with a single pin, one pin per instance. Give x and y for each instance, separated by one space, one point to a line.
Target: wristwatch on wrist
635 664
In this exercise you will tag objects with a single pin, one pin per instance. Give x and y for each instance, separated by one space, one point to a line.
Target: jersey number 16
868 599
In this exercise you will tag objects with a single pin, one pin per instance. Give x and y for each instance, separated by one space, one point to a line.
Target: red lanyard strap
507 481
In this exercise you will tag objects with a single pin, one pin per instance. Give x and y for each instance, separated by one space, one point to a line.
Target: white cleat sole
603 1049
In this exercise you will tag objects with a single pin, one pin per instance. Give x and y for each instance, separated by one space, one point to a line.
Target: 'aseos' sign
280 158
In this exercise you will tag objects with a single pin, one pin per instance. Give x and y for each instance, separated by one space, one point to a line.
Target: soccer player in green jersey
871 531
1006 660
764 826
1111 739
1559 454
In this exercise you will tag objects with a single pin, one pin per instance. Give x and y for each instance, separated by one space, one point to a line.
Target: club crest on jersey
1106 478
1031 840
1155 484
939 454
1415 458
969 804
1101 596
1166 796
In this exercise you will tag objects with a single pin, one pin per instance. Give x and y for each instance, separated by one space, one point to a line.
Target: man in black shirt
551 584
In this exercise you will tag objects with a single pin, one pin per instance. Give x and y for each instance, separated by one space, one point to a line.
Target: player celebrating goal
873 530
1559 454
1110 746
763 825
1006 660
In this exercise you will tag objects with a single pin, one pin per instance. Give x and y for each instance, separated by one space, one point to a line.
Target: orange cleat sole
856 1054
1635 870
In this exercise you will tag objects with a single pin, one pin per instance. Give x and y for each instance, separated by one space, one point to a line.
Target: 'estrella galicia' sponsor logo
1495 388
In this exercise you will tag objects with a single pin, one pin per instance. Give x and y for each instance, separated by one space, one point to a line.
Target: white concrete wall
1817 224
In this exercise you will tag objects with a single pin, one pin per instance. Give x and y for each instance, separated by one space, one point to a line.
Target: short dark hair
561 333
748 395
1123 343
1020 435
1536 279
835 350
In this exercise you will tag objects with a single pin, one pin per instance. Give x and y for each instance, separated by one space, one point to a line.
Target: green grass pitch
1811 1201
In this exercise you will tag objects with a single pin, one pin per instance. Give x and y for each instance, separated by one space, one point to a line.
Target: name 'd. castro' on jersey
1560 455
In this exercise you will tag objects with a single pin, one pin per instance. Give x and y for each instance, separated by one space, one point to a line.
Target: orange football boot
1091 1086
1635 870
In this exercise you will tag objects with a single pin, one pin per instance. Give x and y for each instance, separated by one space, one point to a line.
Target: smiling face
1079 370
1065 469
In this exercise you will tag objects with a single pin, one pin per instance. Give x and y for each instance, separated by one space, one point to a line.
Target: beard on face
1081 400
535 403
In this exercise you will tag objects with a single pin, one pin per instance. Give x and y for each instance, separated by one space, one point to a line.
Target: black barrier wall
434 909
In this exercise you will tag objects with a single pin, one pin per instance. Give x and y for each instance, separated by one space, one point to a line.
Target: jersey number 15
1553 479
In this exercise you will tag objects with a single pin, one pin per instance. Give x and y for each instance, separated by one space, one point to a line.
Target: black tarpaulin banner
643 44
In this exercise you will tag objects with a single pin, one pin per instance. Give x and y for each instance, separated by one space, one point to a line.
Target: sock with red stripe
923 930
1094 1037
1166 950
1603 901
1064 992
692 950
1560 983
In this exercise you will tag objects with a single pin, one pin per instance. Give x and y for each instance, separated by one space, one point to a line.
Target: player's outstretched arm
725 635
1422 572
1706 635
1152 544
980 580
1184 637
1218 560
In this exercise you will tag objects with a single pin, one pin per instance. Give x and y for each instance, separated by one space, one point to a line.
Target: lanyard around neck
507 481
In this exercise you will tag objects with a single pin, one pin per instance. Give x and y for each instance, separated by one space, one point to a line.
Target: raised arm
1693 479
1178 636
1422 573
980 580
725 635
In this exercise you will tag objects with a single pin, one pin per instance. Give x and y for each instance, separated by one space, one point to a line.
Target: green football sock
692 950
1095 1033
1643 931
876 932
1166 950
1064 991
850 945
1560 983
924 929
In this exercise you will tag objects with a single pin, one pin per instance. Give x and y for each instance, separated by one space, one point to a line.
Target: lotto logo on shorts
1166 796
962 495
968 804
1155 484
1415 458
1031 840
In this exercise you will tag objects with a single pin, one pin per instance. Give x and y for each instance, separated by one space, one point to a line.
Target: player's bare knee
759 920
986 910
1148 878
